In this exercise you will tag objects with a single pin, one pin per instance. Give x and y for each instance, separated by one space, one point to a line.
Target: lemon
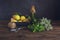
26 20
23 18
19 21
13 20
17 17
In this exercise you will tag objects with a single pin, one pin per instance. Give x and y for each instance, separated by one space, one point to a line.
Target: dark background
44 8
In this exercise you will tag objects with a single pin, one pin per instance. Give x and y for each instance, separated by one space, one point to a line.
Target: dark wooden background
44 8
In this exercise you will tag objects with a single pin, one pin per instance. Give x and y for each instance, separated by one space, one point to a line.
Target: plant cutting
41 25
35 26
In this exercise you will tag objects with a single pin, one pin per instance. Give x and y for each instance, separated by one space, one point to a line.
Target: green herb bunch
38 26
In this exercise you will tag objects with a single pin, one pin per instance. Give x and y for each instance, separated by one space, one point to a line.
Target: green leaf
42 28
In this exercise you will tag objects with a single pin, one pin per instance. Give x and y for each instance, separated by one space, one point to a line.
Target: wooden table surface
25 34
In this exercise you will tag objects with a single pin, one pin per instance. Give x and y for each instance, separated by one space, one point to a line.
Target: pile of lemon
18 18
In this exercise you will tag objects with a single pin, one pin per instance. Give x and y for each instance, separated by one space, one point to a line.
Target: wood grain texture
25 34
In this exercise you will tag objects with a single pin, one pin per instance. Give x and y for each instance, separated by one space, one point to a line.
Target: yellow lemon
23 18
13 20
20 21
17 17
26 20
